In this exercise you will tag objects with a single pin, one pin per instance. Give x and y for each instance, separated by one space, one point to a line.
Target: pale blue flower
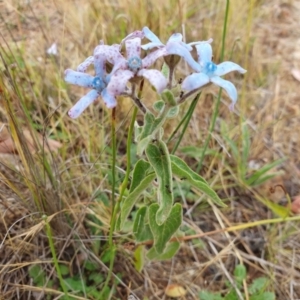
210 73
174 46
132 66
97 83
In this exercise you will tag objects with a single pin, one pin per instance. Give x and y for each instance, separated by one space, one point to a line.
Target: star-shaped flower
97 83
210 73
132 66
174 46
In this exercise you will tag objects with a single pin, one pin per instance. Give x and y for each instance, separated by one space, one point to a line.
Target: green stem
51 244
185 120
116 207
216 110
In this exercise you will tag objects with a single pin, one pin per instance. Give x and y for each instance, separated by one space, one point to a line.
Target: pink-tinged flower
133 66
97 83
210 73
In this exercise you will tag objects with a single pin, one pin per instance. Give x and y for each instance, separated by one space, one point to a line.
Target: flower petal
204 52
133 47
153 56
151 45
195 81
135 34
156 78
228 66
112 53
200 42
227 86
99 64
151 36
84 65
175 37
83 103
79 78
109 100
177 49
118 81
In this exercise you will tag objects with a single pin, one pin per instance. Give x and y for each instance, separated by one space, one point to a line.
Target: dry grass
68 185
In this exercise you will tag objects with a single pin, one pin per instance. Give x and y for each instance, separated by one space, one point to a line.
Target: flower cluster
134 66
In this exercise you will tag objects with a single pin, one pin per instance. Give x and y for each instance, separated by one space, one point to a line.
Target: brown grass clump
69 184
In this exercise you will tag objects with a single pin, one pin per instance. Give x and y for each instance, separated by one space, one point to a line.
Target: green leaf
75 284
182 170
37 274
205 295
264 296
97 277
258 285
141 227
90 266
133 197
139 258
168 97
256 175
159 105
173 112
240 273
163 233
140 170
159 158
149 120
165 70
64 270
170 250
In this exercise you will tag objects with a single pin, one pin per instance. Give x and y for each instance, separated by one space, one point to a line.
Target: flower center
210 68
134 64
98 84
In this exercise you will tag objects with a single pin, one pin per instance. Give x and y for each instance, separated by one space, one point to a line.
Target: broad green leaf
182 170
170 250
159 105
139 258
141 227
205 295
159 158
263 296
168 97
163 233
240 273
142 145
139 172
133 197
148 124
258 285
173 112
151 127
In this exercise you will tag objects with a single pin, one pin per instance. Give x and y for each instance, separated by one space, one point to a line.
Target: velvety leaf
163 233
159 105
140 170
173 112
139 258
133 197
182 170
170 250
159 158
168 97
141 227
